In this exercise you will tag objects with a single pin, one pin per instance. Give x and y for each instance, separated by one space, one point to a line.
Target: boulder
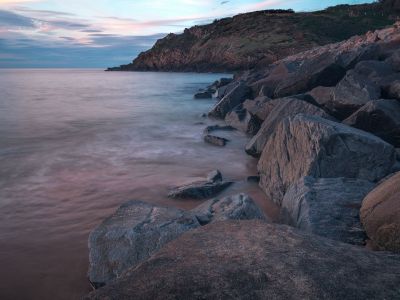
214 176
236 96
380 117
203 95
313 146
258 107
392 90
212 128
243 120
282 108
257 260
380 214
215 140
199 190
238 207
133 233
329 207
322 95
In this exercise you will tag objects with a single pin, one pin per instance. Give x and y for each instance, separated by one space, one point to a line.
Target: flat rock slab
138 229
203 95
212 128
257 260
329 207
199 190
380 214
215 140
133 233
314 146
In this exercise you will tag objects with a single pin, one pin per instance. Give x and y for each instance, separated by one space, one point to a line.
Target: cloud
10 19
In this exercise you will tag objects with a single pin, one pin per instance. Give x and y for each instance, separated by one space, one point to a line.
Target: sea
77 143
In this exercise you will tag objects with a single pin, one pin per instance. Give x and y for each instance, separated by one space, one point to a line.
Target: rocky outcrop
279 110
329 207
257 260
380 214
380 117
201 189
203 95
243 120
317 147
138 229
236 96
257 39
130 236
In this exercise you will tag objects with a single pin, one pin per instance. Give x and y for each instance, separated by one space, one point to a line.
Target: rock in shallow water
329 207
257 260
380 214
199 190
203 95
313 146
138 229
133 233
215 140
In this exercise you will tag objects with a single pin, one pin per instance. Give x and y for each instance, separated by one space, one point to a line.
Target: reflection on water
74 145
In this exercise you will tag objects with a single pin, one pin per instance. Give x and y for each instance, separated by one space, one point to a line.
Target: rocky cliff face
259 38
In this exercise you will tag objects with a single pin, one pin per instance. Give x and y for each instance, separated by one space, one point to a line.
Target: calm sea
74 145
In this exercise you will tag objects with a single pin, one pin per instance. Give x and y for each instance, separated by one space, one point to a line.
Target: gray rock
258 107
380 117
212 128
329 207
235 97
380 214
215 140
255 179
257 260
392 90
282 108
214 176
199 190
203 95
313 146
133 233
238 207
243 120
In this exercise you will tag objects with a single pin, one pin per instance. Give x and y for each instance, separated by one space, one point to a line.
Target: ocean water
76 144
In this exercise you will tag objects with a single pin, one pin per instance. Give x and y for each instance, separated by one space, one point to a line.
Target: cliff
259 38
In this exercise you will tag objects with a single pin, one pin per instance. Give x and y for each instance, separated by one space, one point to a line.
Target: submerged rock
380 117
212 128
133 233
257 260
313 146
203 95
380 214
215 140
282 108
214 176
329 207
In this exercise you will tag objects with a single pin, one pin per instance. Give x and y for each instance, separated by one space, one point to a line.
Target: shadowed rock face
313 146
329 207
257 39
380 117
257 260
380 214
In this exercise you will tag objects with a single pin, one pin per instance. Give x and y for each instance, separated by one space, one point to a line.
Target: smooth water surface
75 144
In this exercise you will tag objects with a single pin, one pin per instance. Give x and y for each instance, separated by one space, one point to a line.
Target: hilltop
259 38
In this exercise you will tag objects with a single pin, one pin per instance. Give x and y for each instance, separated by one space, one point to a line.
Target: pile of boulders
325 125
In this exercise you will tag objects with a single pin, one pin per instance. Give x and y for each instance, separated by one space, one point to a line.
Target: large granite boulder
236 96
238 207
258 107
392 90
380 117
329 207
257 260
313 146
282 108
129 236
380 214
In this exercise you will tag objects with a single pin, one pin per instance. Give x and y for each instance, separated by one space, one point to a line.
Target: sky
103 33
